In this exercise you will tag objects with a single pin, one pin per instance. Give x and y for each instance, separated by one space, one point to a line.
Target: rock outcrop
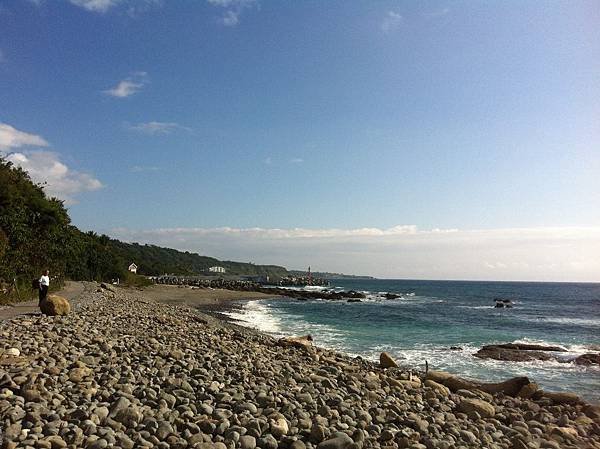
588 359
517 352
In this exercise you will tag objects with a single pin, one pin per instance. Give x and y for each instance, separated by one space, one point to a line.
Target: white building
133 268
216 270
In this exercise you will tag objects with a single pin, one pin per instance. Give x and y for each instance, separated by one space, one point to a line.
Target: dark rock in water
503 303
588 359
353 300
354 294
455 348
391 296
517 352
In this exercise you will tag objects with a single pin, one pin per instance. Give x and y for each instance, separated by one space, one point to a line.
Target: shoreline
219 310
141 372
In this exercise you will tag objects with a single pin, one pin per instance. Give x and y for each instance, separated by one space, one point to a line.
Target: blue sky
193 116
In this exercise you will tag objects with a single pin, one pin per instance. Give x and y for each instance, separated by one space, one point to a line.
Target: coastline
200 297
144 372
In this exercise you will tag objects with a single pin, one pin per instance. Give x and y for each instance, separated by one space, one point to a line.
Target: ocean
431 316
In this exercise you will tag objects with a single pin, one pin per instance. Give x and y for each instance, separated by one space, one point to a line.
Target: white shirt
45 280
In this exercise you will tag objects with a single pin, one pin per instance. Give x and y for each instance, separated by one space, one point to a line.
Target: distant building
216 270
133 268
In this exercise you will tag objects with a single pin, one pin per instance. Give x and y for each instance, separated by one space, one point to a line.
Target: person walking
44 285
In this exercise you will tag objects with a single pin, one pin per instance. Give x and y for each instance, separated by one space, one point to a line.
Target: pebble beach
124 370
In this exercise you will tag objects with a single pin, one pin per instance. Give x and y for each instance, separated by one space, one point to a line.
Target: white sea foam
575 321
589 322
476 307
256 314
259 315
268 317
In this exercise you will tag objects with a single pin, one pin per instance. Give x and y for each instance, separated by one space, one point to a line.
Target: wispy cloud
158 127
95 5
268 160
11 137
143 168
43 166
441 12
296 160
129 85
391 22
102 6
233 9
561 253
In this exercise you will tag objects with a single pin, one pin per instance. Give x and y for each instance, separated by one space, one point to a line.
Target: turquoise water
431 316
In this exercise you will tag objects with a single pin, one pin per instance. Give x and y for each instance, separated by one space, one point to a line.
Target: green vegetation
154 260
135 280
36 234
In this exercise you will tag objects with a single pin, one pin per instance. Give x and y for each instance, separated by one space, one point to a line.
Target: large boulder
563 398
471 406
439 388
387 361
55 305
304 342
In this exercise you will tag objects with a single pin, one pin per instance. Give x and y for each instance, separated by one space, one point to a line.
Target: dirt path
71 291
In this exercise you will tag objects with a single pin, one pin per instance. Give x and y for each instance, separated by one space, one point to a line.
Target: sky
399 139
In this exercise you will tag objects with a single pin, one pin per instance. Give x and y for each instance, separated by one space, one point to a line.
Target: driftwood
510 387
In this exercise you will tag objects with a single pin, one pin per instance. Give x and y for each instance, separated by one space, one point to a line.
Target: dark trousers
43 293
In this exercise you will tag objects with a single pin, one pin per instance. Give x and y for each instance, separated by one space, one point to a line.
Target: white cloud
233 10
44 167
391 21
13 138
95 5
296 160
550 254
158 127
129 86
59 181
134 7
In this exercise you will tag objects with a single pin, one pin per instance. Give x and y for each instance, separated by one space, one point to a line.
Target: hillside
36 233
328 275
155 260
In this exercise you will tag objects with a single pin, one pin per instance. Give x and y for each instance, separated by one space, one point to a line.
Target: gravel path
71 291
127 372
